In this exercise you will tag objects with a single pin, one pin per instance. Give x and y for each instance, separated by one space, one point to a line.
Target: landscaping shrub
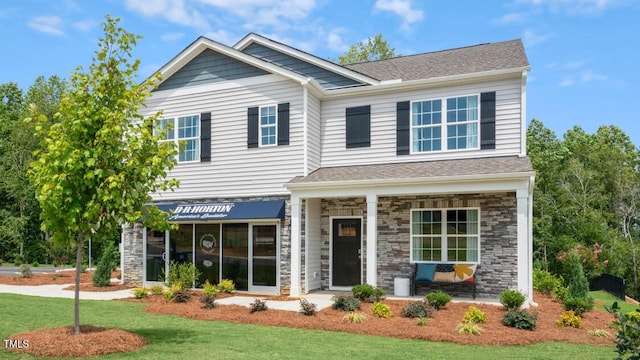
578 305
18 260
208 301
474 316
569 318
362 292
627 338
257 305
599 333
210 289
140 292
170 292
382 310
421 321
182 274
157 289
106 263
417 309
512 299
520 319
378 295
307 308
226 286
438 300
345 303
25 271
545 282
355 317
35 263
181 296
469 329
577 297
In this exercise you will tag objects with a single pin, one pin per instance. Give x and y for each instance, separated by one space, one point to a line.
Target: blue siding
325 77
210 67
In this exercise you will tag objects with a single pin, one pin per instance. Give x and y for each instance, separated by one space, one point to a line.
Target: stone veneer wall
347 207
497 270
133 254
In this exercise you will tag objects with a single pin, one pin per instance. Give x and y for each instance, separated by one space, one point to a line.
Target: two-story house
298 174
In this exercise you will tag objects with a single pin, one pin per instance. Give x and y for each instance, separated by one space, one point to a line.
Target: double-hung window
184 132
445 235
268 125
445 124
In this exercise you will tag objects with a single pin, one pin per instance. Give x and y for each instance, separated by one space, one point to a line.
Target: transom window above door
445 124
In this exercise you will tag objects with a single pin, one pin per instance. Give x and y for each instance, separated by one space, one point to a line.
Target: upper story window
268 125
458 130
445 235
184 131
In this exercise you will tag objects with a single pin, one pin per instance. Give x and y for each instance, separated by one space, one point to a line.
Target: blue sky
583 53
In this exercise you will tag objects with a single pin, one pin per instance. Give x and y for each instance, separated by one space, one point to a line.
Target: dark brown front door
346 252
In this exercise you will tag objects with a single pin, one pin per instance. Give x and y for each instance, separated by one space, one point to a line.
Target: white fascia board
437 185
422 83
203 43
325 64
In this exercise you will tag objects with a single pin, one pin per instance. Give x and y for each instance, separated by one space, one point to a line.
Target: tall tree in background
101 161
374 49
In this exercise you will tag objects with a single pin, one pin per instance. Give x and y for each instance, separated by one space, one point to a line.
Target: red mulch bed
59 278
441 327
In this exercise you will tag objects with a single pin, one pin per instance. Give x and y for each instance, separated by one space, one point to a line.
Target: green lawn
608 299
173 337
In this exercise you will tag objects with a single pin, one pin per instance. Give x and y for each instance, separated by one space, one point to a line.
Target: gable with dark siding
210 67
326 78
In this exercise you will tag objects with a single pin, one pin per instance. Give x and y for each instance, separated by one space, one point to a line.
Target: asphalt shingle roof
425 169
465 60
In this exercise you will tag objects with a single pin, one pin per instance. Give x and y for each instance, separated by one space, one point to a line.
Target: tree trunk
76 304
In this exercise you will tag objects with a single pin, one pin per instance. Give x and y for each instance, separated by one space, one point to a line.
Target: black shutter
252 127
488 120
402 128
358 126
205 137
283 124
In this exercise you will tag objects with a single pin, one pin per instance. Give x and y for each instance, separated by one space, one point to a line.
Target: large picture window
459 128
445 235
184 131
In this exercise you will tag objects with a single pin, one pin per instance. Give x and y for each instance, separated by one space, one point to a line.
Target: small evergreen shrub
355 317
157 289
257 305
512 299
438 300
469 329
378 295
210 289
208 301
577 297
545 282
474 316
520 319
140 292
345 303
569 318
35 263
382 310
307 308
226 286
579 305
417 309
181 296
25 271
362 292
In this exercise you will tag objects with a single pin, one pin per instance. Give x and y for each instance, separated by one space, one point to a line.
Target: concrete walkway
56 291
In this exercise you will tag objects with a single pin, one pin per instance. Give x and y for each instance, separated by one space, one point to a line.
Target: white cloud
573 65
531 38
335 42
176 11
590 75
566 82
402 8
172 36
264 12
511 18
84 25
51 25
575 7
222 36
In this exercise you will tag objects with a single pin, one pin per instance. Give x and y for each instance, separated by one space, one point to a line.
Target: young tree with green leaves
374 49
101 160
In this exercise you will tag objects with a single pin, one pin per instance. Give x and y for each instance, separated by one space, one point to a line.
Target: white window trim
260 126
176 140
443 236
443 125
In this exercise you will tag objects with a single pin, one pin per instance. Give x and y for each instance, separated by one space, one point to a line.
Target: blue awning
239 210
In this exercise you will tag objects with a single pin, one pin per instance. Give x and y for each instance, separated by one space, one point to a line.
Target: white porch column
372 239
525 262
294 290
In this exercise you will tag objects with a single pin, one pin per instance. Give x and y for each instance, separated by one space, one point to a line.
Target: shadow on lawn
177 336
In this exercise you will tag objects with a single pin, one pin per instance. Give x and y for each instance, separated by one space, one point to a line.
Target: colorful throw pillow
464 272
446 277
425 272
